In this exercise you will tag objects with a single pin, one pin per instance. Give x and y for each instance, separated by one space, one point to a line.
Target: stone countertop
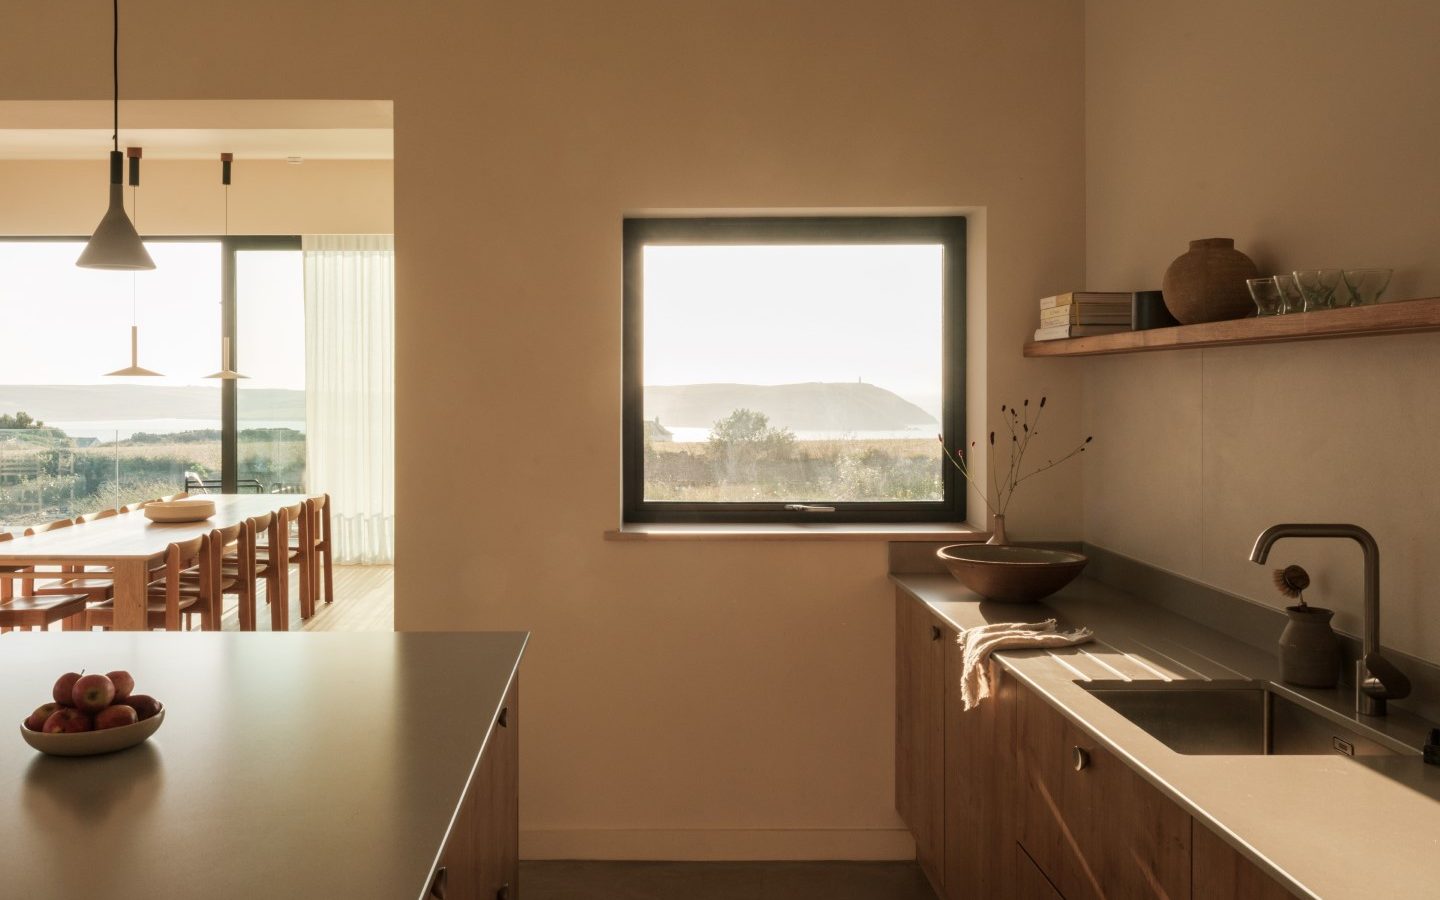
289 765
1325 826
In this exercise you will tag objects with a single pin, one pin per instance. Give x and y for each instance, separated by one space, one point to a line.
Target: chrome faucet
1376 678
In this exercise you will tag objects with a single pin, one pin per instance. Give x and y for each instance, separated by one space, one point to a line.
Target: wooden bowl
1011 574
93 743
192 510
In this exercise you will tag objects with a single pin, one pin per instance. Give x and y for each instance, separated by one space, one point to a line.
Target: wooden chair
35 613
136 506
168 597
28 586
97 516
278 551
173 497
318 544
260 566
215 582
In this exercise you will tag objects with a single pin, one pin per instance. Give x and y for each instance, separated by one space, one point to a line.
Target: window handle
808 508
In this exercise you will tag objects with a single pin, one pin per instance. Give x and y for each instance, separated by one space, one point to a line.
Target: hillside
814 406
119 402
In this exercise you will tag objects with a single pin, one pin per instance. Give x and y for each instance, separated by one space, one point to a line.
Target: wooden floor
364 601
565 880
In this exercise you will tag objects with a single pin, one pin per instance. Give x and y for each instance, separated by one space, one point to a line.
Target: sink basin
1248 718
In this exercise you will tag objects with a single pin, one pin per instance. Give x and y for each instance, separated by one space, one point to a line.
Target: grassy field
832 469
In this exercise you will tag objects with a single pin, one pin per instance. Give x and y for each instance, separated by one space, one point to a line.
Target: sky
787 314
60 324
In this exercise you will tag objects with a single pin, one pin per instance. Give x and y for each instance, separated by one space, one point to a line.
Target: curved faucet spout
1376 679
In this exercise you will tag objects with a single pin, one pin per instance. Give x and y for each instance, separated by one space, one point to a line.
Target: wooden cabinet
481 859
1030 883
980 786
920 641
1221 873
1091 824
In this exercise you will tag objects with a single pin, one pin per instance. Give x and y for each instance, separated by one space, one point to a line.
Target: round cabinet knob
935 632
503 893
504 717
1080 758
439 883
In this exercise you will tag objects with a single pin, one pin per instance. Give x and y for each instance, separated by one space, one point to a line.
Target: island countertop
1324 826
289 765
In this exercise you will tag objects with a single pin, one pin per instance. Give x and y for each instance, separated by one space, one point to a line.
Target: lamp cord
115 69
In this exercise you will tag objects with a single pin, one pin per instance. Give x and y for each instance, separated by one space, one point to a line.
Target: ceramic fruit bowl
94 743
191 510
1011 574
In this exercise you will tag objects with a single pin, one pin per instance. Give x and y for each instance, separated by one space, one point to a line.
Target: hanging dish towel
976 645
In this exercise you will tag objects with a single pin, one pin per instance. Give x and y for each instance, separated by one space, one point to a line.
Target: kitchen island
289 765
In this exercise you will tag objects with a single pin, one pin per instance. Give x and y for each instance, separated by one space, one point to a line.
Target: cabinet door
981 786
497 804
1093 826
1030 882
920 641
1221 873
481 857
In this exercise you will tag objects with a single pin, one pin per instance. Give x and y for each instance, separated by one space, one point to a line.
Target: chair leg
307 582
329 575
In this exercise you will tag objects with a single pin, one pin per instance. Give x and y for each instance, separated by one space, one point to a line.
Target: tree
743 441
21 419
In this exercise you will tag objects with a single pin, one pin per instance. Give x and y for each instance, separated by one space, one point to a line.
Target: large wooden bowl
191 510
93 743
1011 574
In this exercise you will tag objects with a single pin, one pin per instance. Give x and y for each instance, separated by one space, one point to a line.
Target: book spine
1057 300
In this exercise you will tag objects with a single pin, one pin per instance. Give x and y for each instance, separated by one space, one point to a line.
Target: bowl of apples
92 714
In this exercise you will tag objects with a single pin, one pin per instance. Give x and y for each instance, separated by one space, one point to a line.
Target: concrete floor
576 880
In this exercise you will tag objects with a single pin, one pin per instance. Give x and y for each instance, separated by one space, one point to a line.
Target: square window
793 369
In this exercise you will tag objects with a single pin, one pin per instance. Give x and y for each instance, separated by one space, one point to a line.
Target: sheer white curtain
350 389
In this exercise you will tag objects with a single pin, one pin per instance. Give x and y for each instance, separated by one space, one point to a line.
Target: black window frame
230 246
949 231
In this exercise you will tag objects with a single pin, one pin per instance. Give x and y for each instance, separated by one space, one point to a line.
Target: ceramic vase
997 531
1309 648
1207 283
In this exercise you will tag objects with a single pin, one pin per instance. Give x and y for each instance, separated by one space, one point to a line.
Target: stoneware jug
1207 283
1309 648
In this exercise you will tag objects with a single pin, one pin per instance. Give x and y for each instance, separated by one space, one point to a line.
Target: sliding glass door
74 438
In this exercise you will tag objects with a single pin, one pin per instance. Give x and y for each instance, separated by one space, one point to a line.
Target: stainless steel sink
1235 718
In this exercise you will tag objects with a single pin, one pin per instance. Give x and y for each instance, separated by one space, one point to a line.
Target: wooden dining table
130 546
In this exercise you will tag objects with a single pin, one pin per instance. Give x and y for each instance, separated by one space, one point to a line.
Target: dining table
130 546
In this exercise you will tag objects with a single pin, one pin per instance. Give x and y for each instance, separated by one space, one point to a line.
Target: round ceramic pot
1309 649
1207 283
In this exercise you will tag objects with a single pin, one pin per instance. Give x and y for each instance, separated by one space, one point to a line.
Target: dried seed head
1027 401
1090 438
992 438
1027 428
1042 402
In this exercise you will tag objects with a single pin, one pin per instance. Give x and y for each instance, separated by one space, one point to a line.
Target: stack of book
1081 313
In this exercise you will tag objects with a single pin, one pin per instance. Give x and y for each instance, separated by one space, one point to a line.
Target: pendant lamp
134 369
226 373
115 243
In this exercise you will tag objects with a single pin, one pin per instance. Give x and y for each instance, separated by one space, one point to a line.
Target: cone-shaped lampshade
226 373
115 244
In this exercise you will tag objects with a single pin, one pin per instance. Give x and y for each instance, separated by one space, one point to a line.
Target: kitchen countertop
1325 826
289 765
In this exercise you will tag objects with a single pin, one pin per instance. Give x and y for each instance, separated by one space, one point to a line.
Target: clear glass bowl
1293 300
1366 285
1266 294
1318 286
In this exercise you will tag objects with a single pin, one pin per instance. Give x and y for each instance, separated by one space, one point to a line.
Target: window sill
820 531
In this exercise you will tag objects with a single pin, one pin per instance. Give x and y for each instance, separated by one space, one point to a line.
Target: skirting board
703 845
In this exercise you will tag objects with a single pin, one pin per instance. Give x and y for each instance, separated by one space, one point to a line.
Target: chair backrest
5 536
49 526
179 557
173 497
97 516
137 505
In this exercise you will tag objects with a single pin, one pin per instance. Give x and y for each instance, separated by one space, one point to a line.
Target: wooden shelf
1400 317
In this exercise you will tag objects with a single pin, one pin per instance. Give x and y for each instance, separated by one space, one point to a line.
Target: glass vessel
1292 301
1266 294
1366 285
1318 286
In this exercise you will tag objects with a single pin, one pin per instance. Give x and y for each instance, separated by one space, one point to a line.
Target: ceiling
184 129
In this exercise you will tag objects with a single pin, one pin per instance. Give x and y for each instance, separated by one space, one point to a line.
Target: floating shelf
1400 317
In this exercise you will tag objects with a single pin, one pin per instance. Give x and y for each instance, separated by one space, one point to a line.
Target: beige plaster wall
1306 131
682 699
185 197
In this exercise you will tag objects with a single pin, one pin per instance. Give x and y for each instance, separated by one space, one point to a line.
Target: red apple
36 722
65 688
93 693
116 716
66 721
124 684
144 705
